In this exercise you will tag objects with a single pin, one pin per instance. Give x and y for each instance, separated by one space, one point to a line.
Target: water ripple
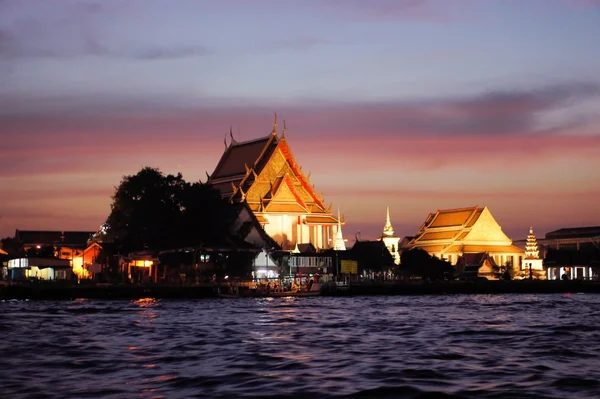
462 346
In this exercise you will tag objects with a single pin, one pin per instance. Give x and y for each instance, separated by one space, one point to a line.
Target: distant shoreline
36 291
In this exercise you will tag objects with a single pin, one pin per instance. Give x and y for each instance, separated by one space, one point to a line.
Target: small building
374 260
305 260
39 268
264 266
570 264
477 266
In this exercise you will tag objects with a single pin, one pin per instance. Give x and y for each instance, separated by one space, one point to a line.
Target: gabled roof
237 156
471 229
40 237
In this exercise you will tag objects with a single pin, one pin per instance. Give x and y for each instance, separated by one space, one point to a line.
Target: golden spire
274 132
388 230
284 129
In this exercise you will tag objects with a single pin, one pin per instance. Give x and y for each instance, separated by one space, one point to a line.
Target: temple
451 233
264 173
389 238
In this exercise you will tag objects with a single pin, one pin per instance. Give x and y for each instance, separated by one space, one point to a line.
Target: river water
479 346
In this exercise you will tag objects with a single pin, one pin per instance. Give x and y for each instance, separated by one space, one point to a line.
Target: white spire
388 230
339 244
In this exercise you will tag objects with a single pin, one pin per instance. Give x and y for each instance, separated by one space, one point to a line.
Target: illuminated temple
264 173
451 233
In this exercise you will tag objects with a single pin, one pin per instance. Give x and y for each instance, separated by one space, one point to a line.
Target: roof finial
274 132
231 135
284 129
225 141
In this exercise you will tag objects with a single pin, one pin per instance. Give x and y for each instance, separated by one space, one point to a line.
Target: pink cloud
386 152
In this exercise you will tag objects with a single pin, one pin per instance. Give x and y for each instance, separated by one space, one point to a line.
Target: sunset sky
416 104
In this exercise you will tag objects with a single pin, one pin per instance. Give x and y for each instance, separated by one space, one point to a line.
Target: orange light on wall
141 263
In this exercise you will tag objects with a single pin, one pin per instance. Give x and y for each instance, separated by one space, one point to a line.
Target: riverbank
50 291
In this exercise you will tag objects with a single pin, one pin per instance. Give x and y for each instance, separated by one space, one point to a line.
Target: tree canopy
418 262
154 211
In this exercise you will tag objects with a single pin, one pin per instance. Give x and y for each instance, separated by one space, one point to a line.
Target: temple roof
264 173
464 230
239 155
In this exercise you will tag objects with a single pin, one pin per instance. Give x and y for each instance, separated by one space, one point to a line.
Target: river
472 346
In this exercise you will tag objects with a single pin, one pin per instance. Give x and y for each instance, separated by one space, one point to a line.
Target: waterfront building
39 268
573 253
451 233
74 246
390 240
264 174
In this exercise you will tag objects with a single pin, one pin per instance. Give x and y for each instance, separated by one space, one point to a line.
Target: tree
154 211
418 262
12 247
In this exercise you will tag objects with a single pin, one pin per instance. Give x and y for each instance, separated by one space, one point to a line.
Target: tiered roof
466 230
264 173
531 247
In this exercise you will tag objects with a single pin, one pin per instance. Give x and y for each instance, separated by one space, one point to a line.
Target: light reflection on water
476 346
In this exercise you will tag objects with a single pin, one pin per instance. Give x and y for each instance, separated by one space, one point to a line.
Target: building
39 268
479 265
573 253
264 174
451 233
74 246
389 238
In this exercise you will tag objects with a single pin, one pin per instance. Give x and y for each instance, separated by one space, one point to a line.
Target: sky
418 105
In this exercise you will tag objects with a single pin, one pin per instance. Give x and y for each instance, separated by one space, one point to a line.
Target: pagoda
264 173
532 264
339 244
389 238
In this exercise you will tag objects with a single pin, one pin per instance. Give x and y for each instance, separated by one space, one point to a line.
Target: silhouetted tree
154 211
418 262
12 246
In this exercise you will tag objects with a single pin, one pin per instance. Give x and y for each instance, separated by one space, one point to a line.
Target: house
39 268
